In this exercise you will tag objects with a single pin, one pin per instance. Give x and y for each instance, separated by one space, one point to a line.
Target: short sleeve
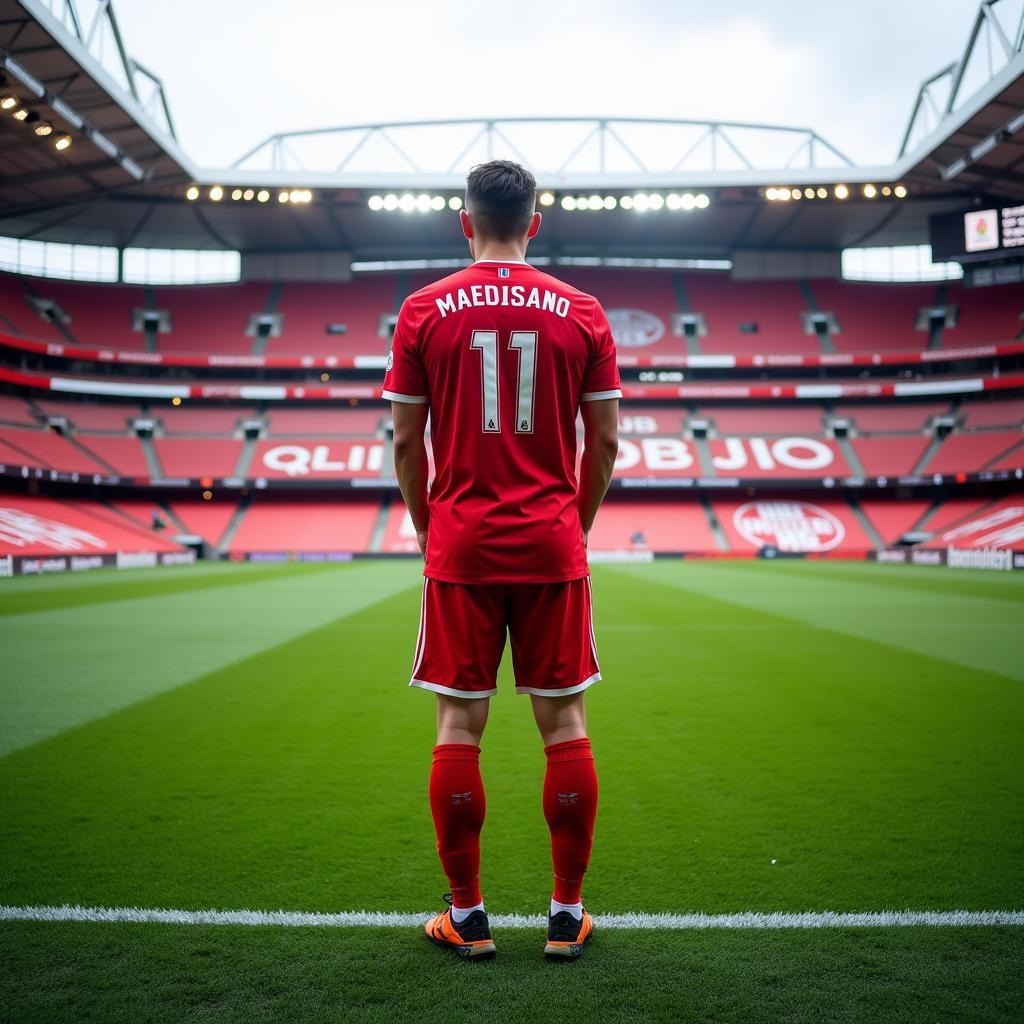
602 377
404 379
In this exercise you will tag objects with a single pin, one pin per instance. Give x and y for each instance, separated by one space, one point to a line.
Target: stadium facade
773 405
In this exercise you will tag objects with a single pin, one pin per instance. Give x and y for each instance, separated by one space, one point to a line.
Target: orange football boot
470 939
567 936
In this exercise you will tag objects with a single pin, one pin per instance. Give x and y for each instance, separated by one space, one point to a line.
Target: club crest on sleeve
390 362
503 272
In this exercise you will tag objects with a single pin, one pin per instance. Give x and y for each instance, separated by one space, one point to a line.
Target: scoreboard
978 234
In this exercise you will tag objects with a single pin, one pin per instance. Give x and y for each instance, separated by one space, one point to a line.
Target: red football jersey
503 354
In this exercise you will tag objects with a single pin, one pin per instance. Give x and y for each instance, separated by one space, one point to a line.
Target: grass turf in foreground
138 973
742 720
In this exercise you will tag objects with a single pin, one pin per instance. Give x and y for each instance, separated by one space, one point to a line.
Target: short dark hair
501 196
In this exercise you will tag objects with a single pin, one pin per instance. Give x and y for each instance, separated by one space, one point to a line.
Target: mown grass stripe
652 922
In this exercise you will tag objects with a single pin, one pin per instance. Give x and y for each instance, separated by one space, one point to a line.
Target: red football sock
570 807
458 805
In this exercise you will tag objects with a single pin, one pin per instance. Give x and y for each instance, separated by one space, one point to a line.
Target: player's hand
421 540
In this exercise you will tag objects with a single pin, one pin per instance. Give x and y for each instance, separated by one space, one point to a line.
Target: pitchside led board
976 235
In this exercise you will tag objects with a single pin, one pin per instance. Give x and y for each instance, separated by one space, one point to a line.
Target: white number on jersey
525 343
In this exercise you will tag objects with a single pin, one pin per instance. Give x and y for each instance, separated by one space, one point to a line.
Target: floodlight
808 193
407 203
900 191
423 203
43 128
62 142
175 400
610 202
7 102
455 203
546 198
822 192
216 193
296 195
236 194
596 202
688 201
282 197
391 201
626 202
674 202
771 194
192 193
841 192
375 203
886 190
263 195
783 194
248 194
568 202
870 191
641 202
20 114
702 201
656 200
437 203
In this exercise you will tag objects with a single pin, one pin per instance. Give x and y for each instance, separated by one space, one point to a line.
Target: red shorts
462 637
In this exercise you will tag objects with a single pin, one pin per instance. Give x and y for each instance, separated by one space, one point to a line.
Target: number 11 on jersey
525 342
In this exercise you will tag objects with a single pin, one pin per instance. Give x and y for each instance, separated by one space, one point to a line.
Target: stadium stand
16 410
874 317
358 305
996 525
206 519
185 458
91 416
815 526
100 313
326 422
652 526
399 535
977 451
788 457
985 314
43 526
773 306
199 420
123 454
641 421
316 459
49 451
892 519
330 526
18 316
995 413
764 420
891 417
889 456
211 318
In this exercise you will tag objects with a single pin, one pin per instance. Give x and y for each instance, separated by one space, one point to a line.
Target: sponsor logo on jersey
635 328
788 525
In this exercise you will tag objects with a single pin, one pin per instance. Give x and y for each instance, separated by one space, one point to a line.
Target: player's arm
411 464
600 446
405 386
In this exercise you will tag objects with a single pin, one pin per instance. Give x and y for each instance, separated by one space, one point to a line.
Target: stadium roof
123 179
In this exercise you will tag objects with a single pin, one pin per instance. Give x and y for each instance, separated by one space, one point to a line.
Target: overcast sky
237 71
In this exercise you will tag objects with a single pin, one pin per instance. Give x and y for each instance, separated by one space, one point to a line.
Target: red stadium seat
890 456
969 453
892 519
282 526
181 458
652 526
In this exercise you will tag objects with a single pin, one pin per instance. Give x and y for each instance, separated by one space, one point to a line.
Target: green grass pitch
769 737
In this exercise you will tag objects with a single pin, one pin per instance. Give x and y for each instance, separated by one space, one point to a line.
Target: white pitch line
669 922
